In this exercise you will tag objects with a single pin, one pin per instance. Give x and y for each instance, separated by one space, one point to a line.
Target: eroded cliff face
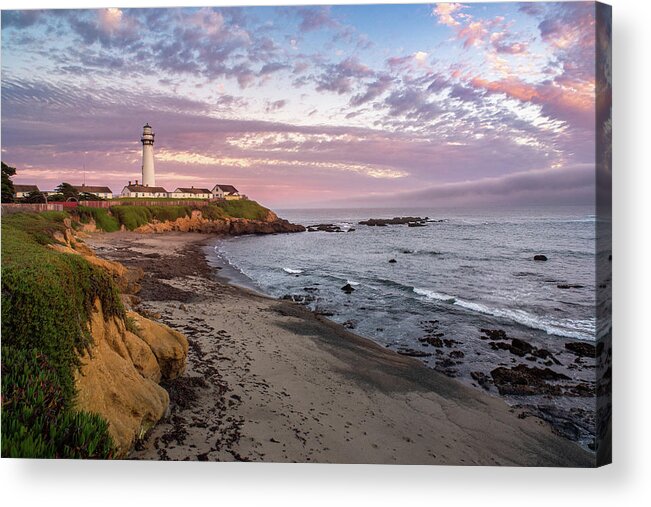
119 375
231 226
118 380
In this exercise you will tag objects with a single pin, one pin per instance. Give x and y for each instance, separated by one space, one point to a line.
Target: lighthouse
147 139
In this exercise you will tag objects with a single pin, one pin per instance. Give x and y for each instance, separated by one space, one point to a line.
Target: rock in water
383 222
539 257
520 348
324 228
406 351
493 334
392 261
581 349
522 380
348 288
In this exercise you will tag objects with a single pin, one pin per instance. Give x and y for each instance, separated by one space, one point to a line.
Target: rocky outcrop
168 346
526 381
126 279
119 374
230 226
493 334
582 349
348 288
324 228
383 222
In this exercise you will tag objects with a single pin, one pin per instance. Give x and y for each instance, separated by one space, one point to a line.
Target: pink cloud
476 33
570 100
444 13
575 28
500 43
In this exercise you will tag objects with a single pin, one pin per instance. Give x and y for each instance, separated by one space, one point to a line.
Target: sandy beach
268 380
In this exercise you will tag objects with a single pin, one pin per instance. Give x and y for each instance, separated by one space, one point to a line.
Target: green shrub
169 213
132 325
132 217
40 227
213 212
244 208
101 216
47 296
47 300
38 420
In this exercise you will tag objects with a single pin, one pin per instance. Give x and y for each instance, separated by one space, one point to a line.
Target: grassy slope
133 217
105 221
47 299
244 209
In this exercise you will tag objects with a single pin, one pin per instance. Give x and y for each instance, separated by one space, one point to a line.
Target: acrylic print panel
334 234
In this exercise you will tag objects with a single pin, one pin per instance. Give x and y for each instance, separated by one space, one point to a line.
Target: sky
315 106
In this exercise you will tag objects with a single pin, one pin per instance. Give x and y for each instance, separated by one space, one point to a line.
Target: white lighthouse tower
147 139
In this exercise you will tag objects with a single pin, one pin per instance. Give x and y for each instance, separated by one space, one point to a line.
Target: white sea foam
580 329
351 282
292 271
435 295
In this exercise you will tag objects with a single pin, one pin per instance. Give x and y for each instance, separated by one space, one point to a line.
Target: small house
191 193
228 192
143 191
102 192
22 191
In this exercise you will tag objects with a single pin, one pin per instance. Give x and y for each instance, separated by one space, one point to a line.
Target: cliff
118 377
229 217
196 222
80 372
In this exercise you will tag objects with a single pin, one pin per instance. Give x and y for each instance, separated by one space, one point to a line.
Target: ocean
465 271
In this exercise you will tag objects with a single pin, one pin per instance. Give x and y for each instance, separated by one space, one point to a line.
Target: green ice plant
47 301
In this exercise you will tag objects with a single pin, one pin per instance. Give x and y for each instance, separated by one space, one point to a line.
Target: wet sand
268 380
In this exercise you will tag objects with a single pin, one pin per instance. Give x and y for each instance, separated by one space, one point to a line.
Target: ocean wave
430 294
580 329
293 271
420 252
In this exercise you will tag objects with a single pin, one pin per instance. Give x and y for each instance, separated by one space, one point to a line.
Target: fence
17 208
96 204
60 206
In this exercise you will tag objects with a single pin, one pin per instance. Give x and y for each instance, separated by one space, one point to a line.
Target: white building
143 191
22 191
228 192
147 140
103 192
191 193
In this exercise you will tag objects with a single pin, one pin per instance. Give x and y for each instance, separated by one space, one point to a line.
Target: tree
68 191
87 196
7 185
35 197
